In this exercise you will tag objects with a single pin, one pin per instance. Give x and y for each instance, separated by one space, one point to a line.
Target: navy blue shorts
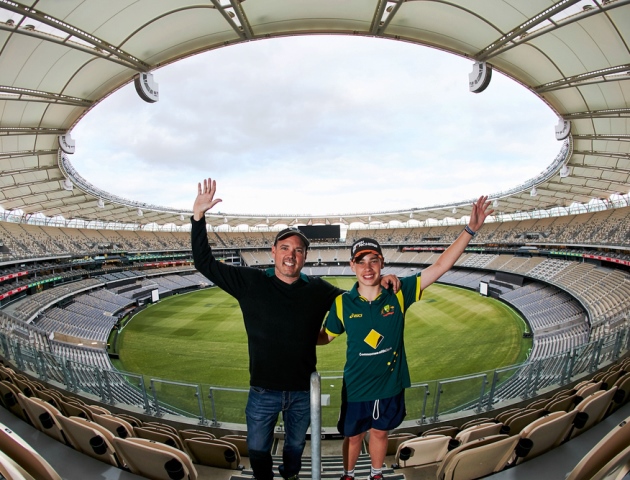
359 417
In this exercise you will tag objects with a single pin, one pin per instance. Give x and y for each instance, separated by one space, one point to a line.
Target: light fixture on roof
140 213
534 191
181 217
454 210
66 143
10 22
495 203
564 171
101 203
411 215
479 78
68 185
147 88
563 129
225 220
267 220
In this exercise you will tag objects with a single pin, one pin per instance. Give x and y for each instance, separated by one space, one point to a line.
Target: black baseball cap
363 246
287 232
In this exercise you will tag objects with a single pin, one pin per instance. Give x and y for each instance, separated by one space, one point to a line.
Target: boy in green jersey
376 372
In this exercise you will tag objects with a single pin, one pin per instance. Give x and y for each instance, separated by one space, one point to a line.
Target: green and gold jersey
376 365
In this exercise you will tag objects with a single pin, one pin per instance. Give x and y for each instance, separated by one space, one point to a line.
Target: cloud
317 125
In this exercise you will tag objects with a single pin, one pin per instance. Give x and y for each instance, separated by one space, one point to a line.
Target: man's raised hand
205 198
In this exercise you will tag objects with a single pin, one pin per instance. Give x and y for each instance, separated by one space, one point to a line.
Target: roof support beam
594 153
612 74
11 131
524 36
28 170
612 138
246 27
487 52
28 95
240 31
378 24
28 153
608 113
72 31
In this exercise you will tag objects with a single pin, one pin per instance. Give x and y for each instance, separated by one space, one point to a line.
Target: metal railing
214 405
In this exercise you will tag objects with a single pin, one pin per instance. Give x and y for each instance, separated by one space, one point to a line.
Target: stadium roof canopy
59 58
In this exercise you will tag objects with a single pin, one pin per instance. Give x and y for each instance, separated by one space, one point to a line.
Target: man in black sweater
283 310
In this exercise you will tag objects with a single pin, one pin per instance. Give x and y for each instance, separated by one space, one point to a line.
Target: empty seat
240 442
11 470
607 449
563 404
9 394
423 450
444 430
547 433
192 433
159 435
24 455
478 431
118 426
595 406
617 468
623 389
89 438
517 422
74 409
478 458
214 452
43 416
136 422
589 389
156 461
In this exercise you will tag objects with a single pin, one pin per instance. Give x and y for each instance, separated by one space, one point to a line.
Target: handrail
316 426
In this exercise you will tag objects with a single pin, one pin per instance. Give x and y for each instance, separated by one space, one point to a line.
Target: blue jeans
263 408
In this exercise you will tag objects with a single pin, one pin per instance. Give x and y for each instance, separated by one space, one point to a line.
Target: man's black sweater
282 320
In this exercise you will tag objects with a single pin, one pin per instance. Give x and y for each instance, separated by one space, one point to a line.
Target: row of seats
489 445
151 449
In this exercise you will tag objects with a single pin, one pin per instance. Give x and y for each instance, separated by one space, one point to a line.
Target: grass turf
200 338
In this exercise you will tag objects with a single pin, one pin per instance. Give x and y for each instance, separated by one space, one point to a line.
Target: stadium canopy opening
60 59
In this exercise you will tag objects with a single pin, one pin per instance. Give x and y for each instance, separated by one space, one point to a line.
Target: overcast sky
317 125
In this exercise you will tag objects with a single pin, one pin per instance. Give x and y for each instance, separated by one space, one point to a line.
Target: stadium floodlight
495 203
534 191
101 203
564 171
563 129
181 217
66 143
146 87
140 212
479 78
454 210
68 185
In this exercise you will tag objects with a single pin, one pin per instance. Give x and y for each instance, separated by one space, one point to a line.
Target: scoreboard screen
321 232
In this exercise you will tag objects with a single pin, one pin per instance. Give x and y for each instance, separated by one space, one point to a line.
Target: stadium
80 266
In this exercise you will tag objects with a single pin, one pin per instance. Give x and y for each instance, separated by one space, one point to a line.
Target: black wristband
469 230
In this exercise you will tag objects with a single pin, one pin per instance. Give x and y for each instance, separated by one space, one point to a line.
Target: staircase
332 468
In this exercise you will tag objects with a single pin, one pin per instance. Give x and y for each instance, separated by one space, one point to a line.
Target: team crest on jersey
387 310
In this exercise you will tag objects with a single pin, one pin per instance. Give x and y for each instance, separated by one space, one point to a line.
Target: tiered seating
533 430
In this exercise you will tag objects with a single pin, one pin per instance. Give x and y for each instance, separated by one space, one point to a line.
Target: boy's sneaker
378 476
346 477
